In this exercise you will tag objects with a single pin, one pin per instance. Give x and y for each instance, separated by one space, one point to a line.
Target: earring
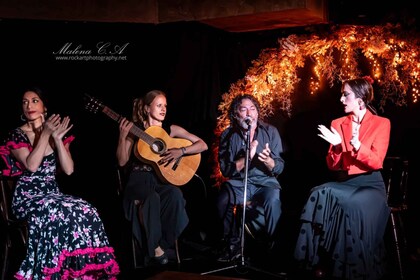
23 118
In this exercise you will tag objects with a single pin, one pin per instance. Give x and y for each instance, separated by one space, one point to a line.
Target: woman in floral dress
67 239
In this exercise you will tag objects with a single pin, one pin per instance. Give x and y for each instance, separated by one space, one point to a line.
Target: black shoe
161 260
230 254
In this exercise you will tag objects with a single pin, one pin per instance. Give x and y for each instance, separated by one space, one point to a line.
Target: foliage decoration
386 52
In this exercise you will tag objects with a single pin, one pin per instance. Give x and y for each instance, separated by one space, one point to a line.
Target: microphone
246 122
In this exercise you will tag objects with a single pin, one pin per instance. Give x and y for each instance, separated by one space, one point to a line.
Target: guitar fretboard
134 129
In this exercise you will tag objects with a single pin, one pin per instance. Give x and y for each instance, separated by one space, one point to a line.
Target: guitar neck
134 129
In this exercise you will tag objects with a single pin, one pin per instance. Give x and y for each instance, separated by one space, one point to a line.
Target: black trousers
261 200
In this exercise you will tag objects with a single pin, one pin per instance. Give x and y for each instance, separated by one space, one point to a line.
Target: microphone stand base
243 267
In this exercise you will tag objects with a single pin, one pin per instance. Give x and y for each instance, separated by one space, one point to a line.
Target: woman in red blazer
343 222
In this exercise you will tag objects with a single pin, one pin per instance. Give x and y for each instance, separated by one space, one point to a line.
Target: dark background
194 64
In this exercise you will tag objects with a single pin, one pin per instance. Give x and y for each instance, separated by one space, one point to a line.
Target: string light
391 54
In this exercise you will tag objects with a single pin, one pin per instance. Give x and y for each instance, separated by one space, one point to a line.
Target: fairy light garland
392 56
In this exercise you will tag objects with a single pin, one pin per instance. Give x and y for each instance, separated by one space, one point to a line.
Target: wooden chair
396 180
13 230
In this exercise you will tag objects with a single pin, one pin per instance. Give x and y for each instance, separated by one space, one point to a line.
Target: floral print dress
67 238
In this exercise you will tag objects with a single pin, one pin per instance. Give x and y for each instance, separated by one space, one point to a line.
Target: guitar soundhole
158 147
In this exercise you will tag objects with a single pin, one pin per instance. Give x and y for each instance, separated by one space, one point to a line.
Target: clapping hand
264 156
62 128
332 136
354 141
51 124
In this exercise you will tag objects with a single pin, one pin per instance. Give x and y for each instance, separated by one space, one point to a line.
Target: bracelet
184 151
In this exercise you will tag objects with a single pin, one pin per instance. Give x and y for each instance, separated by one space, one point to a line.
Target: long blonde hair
139 105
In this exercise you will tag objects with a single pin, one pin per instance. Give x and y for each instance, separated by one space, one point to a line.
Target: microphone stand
243 264
247 156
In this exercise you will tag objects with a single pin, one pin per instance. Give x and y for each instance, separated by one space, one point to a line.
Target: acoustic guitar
152 143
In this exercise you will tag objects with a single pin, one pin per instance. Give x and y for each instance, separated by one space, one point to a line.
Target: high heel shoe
161 260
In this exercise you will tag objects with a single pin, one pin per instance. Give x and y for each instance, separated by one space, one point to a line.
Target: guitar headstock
92 104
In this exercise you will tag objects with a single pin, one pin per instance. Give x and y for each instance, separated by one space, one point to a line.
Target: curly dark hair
236 102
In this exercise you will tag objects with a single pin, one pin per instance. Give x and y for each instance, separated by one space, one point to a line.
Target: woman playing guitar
152 163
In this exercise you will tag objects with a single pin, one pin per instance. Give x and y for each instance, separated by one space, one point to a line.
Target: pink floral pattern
67 238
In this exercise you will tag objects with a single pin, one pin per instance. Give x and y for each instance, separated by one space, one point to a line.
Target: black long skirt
345 221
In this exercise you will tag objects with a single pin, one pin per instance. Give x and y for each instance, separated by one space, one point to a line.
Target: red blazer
374 135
